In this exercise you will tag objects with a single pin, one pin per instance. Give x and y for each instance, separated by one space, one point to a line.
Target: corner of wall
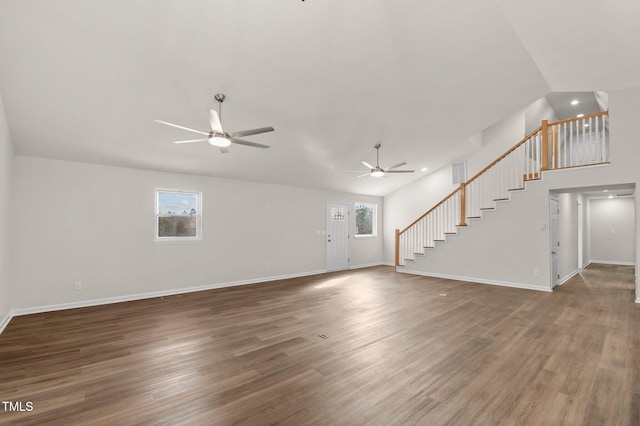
6 182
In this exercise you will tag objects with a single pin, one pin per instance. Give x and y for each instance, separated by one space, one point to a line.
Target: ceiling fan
378 171
218 137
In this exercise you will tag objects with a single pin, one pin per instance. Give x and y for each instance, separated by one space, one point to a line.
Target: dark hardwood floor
370 347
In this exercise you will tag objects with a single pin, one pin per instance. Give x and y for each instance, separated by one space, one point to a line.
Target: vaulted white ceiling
83 80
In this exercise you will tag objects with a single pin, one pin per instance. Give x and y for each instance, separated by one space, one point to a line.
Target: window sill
162 241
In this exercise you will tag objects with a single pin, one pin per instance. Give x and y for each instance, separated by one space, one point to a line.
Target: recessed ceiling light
605 190
580 115
424 169
610 196
575 102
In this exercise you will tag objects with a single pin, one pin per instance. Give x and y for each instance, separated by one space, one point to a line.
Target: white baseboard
131 297
638 300
366 265
5 321
568 277
475 280
586 264
613 262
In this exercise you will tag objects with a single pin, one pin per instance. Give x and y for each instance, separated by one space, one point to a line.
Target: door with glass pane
337 236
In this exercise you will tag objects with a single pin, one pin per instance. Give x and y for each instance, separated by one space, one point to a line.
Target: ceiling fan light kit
378 171
218 137
219 141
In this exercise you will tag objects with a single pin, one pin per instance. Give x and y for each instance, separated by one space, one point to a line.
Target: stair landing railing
581 141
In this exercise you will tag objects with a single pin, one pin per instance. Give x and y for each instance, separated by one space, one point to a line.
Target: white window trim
374 220
177 240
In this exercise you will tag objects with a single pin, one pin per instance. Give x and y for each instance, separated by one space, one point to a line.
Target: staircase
564 144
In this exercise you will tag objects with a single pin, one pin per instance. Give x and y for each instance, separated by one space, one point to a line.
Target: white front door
555 240
337 236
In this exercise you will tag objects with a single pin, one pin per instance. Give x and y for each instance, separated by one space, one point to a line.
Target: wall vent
459 172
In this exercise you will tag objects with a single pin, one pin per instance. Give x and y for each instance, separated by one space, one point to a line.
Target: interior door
337 236
555 240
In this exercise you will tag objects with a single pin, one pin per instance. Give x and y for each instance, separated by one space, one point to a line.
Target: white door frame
552 236
580 235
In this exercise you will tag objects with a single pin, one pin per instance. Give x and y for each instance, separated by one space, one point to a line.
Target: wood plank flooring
396 349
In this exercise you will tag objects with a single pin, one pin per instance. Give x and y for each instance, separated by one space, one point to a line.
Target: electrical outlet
77 285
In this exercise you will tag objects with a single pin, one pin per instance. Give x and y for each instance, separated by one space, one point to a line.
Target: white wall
6 172
512 245
496 140
95 224
536 112
405 205
613 230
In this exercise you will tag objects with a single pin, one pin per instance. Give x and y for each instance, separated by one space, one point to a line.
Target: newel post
463 204
545 145
397 247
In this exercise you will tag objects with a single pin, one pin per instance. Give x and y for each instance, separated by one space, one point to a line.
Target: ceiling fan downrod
220 98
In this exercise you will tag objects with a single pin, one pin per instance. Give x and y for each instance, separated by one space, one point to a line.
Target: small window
178 216
337 214
365 220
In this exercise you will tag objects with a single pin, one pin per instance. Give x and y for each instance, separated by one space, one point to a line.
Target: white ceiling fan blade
366 174
247 143
368 165
181 127
394 166
214 120
399 171
251 132
223 150
192 140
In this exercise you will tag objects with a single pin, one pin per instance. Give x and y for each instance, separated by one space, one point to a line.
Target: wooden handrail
430 210
496 161
569 120
529 136
493 163
516 146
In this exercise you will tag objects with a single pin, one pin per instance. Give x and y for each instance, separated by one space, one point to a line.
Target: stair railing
580 141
